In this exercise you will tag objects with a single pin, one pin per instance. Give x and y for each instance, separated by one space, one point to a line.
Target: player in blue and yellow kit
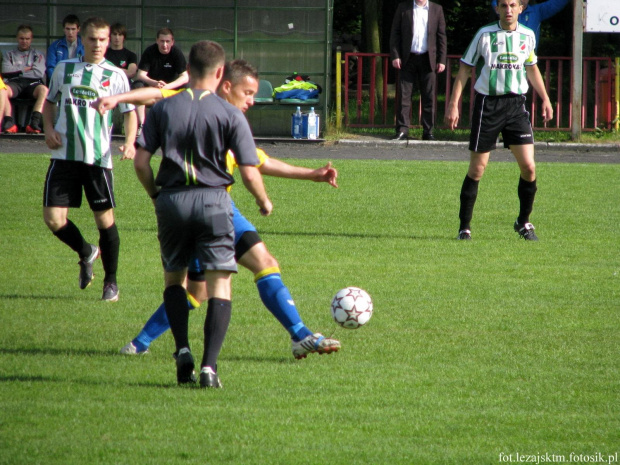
238 86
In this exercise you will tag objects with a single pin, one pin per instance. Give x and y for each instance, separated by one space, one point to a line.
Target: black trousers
418 71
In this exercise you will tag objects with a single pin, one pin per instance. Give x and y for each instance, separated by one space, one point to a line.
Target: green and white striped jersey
500 58
86 135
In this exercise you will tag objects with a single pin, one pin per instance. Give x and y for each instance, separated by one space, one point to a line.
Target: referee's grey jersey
500 58
195 129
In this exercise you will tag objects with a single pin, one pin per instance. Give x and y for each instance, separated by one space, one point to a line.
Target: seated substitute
24 74
162 65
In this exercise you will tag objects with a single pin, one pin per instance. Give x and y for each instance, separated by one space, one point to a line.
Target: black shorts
64 182
505 114
196 223
23 87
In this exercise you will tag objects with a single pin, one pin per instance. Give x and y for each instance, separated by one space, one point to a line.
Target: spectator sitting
162 65
24 74
117 53
70 46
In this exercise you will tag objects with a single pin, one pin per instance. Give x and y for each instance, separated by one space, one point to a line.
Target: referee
195 129
503 55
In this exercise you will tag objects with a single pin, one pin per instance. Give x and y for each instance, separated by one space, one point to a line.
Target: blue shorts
241 225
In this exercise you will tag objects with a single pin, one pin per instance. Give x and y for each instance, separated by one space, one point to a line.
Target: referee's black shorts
495 114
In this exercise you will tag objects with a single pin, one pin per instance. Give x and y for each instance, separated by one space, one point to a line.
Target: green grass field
478 349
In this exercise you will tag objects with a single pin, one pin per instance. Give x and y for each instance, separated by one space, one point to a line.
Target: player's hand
327 174
547 111
53 139
104 104
452 117
265 207
128 151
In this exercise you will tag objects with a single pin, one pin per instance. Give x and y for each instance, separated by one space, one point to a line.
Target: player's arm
280 169
144 96
452 115
52 137
253 182
131 126
142 166
178 82
535 78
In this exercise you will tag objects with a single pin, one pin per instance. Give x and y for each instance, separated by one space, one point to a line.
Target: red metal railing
361 96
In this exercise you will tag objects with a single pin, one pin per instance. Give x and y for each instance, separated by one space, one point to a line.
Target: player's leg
158 323
524 154
518 136
99 190
487 122
278 300
63 190
469 191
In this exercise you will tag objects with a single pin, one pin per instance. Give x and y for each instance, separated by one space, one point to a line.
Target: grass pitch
476 352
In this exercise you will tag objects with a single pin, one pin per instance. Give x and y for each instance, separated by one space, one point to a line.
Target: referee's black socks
177 311
215 328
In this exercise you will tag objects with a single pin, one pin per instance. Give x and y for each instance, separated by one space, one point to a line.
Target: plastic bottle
296 124
312 126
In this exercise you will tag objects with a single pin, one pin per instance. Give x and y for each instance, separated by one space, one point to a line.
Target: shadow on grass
353 235
36 297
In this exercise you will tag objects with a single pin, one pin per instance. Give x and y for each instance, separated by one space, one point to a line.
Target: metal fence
366 105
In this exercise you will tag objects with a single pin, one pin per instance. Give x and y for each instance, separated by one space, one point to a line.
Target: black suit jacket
401 35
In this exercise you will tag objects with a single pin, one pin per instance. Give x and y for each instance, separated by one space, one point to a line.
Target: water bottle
296 124
312 124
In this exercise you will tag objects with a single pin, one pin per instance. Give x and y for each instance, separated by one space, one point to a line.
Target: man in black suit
418 48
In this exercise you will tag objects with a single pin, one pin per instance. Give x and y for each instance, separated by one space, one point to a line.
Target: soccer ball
351 307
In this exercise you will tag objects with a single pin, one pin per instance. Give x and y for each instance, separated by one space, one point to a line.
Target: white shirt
500 58
419 44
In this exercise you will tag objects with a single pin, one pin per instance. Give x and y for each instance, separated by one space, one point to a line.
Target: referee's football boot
185 367
315 343
110 292
209 378
86 267
464 235
526 231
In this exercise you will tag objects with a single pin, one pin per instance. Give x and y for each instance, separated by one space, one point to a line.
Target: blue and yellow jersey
2 84
231 163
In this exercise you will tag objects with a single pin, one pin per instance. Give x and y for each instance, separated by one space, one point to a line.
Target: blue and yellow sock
157 325
277 298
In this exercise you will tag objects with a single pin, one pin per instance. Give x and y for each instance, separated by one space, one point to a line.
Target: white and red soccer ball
351 307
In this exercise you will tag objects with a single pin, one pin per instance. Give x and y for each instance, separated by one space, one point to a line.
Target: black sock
215 328
109 243
8 122
35 120
177 311
469 193
71 235
527 192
